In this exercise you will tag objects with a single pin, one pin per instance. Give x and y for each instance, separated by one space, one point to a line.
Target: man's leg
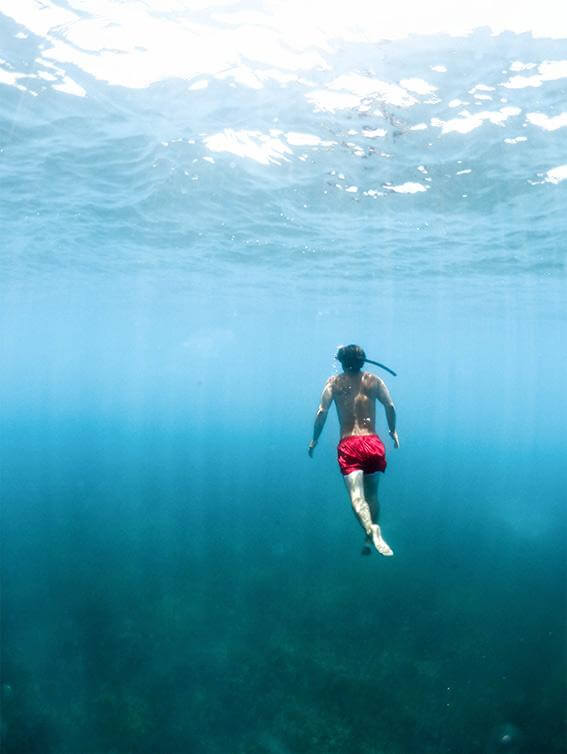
370 482
355 486
371 495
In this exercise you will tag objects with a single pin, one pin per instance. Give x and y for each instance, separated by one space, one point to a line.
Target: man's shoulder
371 378
372 383
335 384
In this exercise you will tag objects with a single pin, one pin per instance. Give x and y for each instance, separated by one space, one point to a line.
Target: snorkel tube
382 366
353 357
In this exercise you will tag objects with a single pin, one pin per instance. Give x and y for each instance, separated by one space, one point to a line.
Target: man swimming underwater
361 453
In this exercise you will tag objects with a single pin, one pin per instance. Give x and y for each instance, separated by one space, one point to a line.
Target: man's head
352 358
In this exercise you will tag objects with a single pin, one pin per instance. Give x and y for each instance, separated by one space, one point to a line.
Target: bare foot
380 544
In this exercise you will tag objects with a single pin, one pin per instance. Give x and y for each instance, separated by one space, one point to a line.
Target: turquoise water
197 206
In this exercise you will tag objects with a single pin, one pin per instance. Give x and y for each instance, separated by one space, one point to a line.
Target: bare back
355 397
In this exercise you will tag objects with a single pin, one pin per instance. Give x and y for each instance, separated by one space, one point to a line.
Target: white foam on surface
301 139
546 122
549 70
255 145
135 44
409 187
469 121
556 175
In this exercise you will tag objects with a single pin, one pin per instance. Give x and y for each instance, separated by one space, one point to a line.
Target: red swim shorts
361 453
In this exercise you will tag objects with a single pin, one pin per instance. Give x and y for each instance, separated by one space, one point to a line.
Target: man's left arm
321 415
383 395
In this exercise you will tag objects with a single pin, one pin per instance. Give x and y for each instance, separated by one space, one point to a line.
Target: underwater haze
198 203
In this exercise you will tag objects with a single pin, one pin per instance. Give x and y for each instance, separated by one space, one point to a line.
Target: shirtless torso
355 397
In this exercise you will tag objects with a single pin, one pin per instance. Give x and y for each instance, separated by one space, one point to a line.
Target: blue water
197 206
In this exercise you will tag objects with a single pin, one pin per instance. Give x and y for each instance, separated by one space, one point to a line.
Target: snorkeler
361 453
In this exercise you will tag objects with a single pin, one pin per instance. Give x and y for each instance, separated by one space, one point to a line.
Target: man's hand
311 448
394 436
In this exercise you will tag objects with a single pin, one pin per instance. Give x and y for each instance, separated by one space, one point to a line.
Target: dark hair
351 357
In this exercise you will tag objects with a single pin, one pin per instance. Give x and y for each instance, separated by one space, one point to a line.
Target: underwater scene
200 202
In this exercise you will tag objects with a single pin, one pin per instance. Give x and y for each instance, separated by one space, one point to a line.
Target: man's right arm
321 415
383 395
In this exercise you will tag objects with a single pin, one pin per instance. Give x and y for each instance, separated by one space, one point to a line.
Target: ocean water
199 202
